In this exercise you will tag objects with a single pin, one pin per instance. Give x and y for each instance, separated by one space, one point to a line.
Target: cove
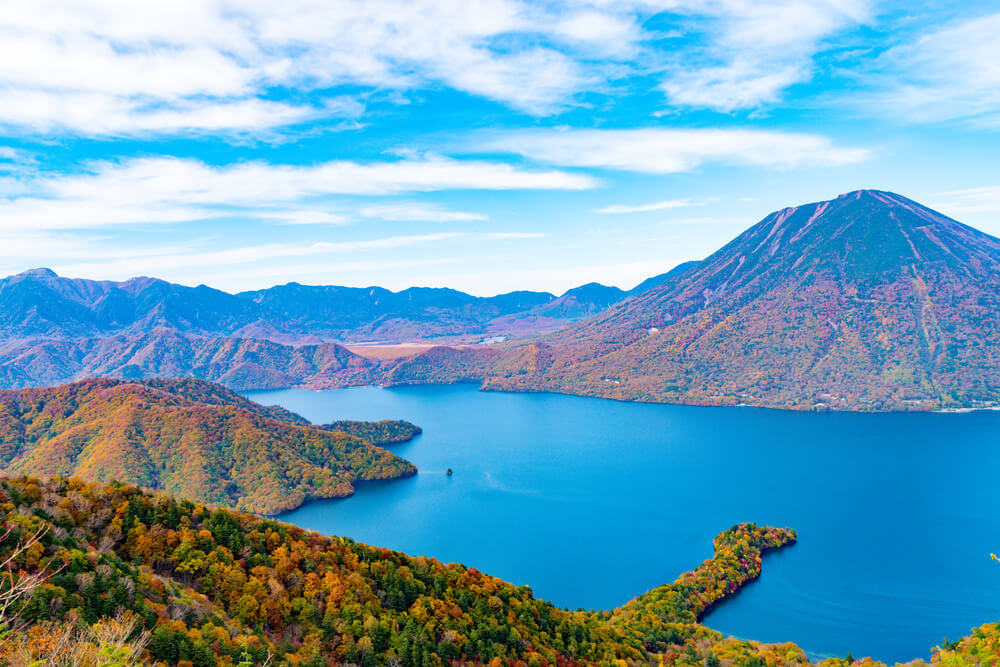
592 502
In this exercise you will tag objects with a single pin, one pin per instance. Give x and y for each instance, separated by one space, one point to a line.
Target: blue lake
591 502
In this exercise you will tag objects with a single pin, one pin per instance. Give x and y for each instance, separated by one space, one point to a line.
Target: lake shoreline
616 497
724 402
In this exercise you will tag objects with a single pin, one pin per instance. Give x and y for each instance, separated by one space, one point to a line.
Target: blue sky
486 145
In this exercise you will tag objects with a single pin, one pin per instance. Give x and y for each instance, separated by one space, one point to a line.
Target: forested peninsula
197 586
194 439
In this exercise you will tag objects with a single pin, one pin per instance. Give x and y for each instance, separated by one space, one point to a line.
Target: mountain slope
235 362
582 301
215 587
189 438
39 305
867 301
672 275
211 584
381 433
353 313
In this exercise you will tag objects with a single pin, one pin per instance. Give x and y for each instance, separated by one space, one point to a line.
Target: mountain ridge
38 304
191 438
868 301
800 311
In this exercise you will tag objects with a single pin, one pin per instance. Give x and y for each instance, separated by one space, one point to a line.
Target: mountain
55 330
38 305
235 362
580 302
126 572
374 313
867 301
190 438
670 276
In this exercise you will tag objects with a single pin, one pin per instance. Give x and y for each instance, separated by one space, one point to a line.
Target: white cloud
112 67
972 200
663 151
171 190
752 50
509 236
14 160
418 211
654 206
952 73
222 268
305 216
168 261
48 248
741 84
11 154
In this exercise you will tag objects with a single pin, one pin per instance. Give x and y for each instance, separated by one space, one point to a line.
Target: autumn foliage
191 438
211 586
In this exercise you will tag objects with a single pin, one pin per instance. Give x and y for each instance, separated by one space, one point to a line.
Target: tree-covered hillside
190 438
384 432
870 301
213 586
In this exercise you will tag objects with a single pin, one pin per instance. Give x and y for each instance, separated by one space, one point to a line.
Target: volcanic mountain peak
40 272
867 207
870 298
860 238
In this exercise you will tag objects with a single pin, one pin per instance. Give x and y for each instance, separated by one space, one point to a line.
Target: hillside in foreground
190 438
212 586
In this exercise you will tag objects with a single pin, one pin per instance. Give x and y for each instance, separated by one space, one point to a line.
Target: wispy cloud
654 206
148 263
418 211
261 262
972 200
747 52
664 151
112 68
172 190
507 236
946 74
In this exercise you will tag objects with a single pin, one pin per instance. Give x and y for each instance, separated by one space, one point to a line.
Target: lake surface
591 502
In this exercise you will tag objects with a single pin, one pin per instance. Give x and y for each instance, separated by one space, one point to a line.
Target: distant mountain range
41 305
869 301
55 329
